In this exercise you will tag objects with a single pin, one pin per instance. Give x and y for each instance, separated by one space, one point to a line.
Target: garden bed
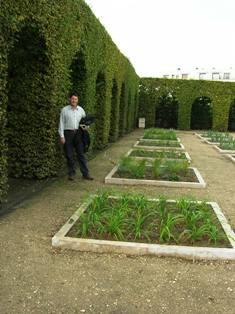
151 145
192 179
183 228
153 154
206 140
224 151
159 134
217 136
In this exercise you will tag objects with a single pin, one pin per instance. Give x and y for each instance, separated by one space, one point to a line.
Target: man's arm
61 127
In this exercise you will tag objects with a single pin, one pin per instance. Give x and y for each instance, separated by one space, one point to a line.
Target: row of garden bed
223 142
159 161
134 224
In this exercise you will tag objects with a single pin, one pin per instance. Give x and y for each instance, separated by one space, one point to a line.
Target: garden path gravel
35 278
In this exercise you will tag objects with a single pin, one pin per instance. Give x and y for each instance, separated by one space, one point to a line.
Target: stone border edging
124 181
132 248
159 147
230 156
223 151
158 140
201 137
211 143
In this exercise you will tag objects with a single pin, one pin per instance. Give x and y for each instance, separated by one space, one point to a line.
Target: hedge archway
201 114
135 122
166 112
78 77
130 113
27 101
99 109
122 118
113 131
231 118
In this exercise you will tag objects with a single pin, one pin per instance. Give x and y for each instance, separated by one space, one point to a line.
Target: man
70 137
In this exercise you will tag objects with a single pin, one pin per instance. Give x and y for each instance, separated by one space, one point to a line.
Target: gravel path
34 278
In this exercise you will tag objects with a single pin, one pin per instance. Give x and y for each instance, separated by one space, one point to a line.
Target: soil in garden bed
189 176
159 143
158 154
158 138
152 227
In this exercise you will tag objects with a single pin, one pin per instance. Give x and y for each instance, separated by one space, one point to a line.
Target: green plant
136 168
169 169
134 217
230 145
167 225
161 134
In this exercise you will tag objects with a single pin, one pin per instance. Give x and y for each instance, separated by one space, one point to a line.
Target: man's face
74 101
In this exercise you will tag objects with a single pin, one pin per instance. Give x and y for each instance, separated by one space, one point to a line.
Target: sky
160 36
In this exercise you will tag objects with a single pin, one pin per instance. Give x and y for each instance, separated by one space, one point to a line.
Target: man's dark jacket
85 136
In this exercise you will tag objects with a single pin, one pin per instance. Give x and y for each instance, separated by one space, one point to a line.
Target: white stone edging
132 248
211 143
230 156
159 147
158 139
201 137
124 181
224 151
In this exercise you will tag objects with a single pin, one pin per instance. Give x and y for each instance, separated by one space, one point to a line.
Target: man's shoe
87 177
71 178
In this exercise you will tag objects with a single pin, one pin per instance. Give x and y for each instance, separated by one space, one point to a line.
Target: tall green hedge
221 94
47 49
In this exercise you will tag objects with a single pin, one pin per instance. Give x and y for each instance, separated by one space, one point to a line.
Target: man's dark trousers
73 141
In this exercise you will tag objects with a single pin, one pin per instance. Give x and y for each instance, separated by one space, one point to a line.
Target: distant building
214 74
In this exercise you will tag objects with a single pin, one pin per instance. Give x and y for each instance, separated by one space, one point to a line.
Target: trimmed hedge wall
47 49
221 94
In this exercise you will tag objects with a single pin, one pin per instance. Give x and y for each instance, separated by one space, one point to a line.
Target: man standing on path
70 137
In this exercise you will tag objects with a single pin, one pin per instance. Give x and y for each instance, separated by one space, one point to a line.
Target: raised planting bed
168 173
224 151
215 138
153 154
161 134
135 225
159 145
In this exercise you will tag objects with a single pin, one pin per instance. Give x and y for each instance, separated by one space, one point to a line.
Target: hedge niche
122 111
201 114
78 76
100 110
27 104
166 112
115 102
47 49
231 120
